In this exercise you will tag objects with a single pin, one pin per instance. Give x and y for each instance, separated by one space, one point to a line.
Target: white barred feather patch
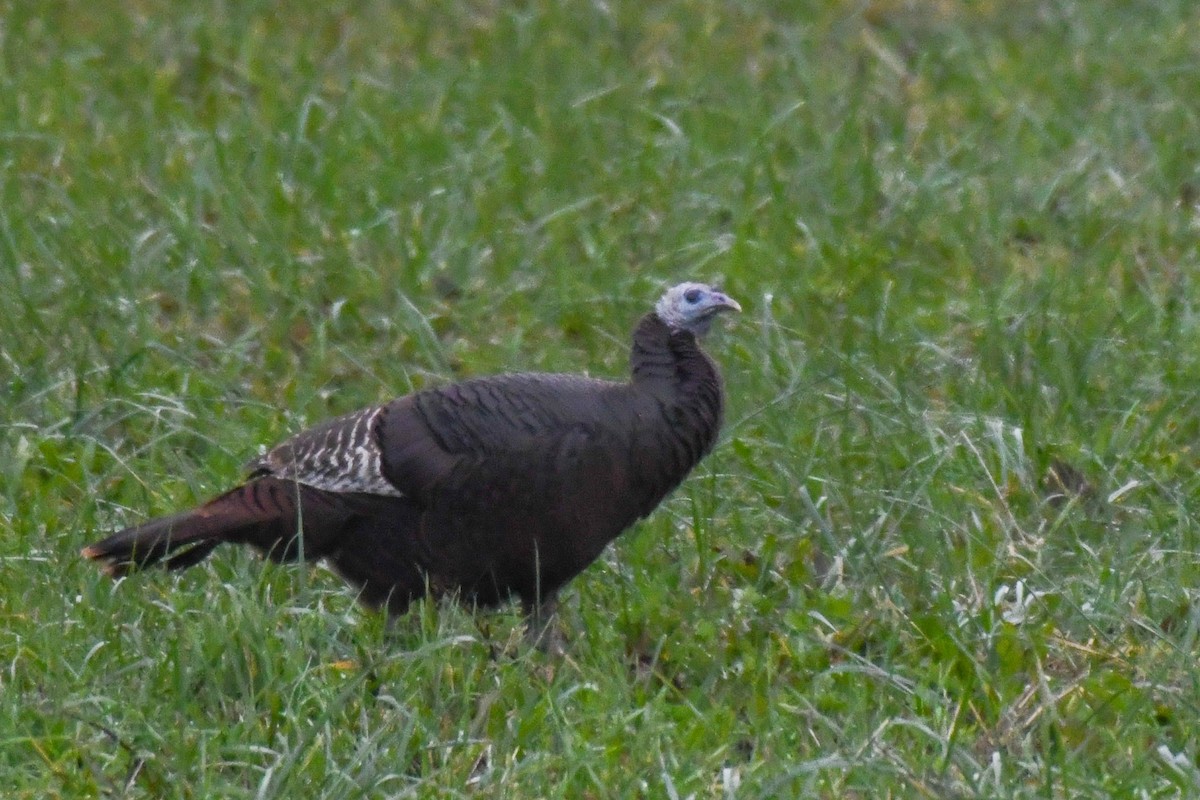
341 455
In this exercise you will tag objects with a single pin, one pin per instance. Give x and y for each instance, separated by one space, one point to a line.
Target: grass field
948 546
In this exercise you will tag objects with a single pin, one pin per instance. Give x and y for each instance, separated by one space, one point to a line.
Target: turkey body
489 488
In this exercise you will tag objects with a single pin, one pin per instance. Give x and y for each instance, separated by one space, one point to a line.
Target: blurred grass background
945 549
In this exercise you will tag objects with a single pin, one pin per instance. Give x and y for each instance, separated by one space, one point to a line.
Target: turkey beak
723 302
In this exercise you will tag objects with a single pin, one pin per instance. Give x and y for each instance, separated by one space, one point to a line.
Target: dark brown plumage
493 487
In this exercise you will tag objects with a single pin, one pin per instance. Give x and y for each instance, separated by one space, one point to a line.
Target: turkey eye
692 295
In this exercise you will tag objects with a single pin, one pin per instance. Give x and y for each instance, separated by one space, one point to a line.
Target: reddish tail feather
261 513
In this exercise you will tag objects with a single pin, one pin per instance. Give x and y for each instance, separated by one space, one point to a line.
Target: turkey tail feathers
174 542
261 512
282 519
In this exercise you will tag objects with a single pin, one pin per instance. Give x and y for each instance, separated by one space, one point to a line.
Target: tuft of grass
946 548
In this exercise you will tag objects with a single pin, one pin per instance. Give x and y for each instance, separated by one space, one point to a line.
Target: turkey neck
663 355
670 365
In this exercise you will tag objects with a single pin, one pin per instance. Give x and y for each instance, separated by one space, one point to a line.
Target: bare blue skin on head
693 306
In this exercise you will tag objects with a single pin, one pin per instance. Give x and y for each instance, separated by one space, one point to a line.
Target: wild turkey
488 488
